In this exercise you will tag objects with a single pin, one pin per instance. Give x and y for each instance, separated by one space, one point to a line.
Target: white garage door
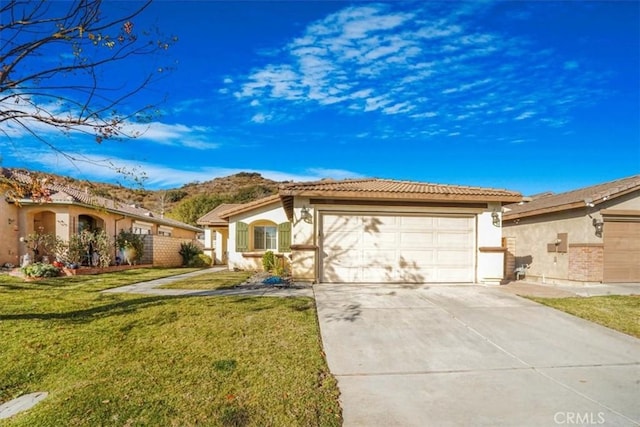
361 248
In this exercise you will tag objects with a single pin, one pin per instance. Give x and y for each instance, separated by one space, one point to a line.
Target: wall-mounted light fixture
599 226
62 223
11 221
495 218
305 215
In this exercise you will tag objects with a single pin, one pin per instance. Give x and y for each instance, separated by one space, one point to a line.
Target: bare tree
59 66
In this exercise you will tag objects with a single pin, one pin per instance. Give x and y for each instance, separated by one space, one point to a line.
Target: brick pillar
586 262
509 257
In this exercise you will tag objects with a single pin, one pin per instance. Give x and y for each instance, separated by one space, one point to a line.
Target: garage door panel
373 255
453 223
425 258
417 240
415 222
402 248
343 223
449 275
381 240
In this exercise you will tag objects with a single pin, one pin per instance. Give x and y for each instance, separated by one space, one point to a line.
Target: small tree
43 244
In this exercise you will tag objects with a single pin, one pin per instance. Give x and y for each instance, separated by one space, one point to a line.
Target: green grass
621 313
210 281
121 359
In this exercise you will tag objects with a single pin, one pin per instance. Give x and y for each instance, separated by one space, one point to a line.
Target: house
67 211
589 235
216 233
372 230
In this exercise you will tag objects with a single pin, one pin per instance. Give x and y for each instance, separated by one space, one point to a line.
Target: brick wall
163 251
586 262
509 257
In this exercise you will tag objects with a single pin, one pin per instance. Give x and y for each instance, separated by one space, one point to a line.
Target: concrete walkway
470 355
152 287
522 287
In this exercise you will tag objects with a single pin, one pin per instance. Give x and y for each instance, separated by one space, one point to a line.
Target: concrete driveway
472 355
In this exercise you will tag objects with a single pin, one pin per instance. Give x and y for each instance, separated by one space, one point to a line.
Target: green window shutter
242 237
284 237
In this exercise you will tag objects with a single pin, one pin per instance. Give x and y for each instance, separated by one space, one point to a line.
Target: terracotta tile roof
213 218
69 195
390 189
573 199
265 201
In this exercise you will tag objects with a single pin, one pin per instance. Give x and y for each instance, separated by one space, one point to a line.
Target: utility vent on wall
560 245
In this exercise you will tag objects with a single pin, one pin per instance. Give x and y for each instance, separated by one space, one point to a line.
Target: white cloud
431 61
261 118
525 115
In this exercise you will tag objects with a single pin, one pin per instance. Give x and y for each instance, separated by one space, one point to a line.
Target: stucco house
588 235
372 231
68 211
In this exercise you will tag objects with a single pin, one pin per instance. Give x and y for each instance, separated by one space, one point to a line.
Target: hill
239 188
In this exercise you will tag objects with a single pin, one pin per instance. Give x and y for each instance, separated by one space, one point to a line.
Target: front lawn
211 281
621 313
121 359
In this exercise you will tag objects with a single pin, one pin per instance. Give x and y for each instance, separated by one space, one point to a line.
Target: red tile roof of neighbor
391 189
573 199
63 194
213 217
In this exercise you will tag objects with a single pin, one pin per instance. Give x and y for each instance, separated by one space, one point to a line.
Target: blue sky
528 96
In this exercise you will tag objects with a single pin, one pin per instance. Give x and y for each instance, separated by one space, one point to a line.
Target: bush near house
130 240
40 269
192 255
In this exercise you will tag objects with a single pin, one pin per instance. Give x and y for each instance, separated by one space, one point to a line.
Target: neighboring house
216 233
373 230
587 235
69 211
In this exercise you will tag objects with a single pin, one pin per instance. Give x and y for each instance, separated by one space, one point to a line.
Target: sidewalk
530 289
152 287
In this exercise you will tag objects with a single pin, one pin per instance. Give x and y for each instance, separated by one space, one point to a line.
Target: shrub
40 269
127 239
200 260
44 244
189 251
269 261
79 245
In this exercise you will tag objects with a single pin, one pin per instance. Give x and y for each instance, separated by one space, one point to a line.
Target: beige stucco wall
252 260
533 234
9 234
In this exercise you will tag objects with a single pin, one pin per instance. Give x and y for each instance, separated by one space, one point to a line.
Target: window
264 238
140 227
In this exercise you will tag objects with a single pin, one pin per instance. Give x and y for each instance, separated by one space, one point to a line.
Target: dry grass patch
621 313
